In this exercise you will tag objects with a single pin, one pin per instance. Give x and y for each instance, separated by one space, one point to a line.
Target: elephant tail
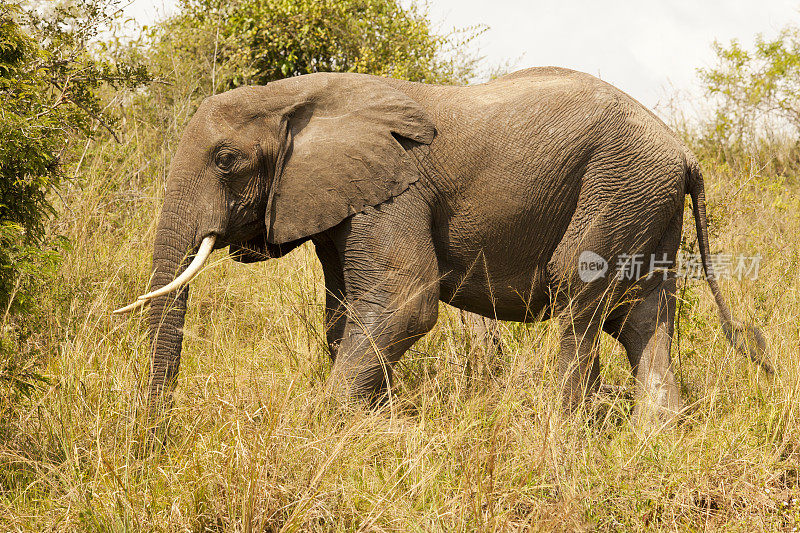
746 339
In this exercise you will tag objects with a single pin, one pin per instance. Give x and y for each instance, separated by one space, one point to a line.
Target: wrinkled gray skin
482 196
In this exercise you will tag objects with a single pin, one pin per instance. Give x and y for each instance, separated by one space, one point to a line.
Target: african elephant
488 197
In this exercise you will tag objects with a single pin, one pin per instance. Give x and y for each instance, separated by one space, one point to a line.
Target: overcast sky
647 48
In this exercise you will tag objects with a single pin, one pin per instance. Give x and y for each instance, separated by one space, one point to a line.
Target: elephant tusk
191 271
206 247
130 307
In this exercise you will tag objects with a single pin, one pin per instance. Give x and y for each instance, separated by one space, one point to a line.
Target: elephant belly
499 278
494 256
504 304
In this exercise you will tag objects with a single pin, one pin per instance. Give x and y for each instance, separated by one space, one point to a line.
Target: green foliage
49 95
757 97
241 42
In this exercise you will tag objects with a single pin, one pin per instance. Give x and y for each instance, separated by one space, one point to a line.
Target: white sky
648 48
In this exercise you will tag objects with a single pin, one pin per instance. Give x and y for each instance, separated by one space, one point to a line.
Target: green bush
50 85
756 97
220 45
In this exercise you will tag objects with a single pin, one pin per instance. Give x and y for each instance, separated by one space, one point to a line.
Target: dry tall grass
469 444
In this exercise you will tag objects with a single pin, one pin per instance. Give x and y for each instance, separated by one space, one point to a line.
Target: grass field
470 442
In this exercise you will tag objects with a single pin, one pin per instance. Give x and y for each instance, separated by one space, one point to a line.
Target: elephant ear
342 152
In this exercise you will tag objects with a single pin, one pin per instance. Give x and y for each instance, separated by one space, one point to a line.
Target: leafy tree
49 94
232 43
756 92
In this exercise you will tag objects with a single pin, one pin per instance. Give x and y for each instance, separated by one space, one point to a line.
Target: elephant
497 198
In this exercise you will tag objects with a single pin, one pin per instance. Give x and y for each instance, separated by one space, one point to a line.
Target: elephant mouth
259 249
251 250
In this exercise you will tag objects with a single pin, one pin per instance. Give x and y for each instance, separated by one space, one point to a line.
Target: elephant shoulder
555 76
539 72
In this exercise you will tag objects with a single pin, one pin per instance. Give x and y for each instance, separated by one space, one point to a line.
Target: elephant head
263 169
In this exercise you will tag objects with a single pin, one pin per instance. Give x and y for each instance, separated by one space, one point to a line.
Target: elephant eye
224 160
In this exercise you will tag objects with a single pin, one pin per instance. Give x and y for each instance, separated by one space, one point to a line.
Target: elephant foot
658 405
366 386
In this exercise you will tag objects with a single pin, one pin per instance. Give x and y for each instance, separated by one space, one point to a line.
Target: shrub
49 95
222 45
756 97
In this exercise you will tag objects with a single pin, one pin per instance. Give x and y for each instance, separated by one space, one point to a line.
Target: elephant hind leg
579 368
646 334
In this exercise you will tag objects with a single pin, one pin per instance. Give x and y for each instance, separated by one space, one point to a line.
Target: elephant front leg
362 369
335 320
375 337
335 296
483 331
391 280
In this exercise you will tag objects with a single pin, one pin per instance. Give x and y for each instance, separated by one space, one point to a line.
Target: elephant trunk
167 311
